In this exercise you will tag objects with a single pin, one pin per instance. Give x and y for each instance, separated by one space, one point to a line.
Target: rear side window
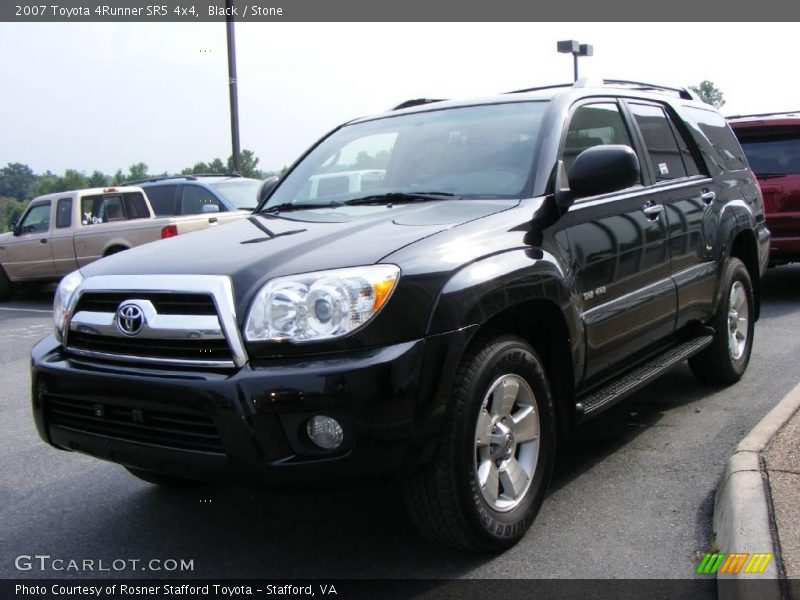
135 206
773 155
716 129
162 199
64 213
194 198
659 139
594 125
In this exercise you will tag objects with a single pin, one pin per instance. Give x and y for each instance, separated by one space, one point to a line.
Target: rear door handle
653 210
43 241
708 197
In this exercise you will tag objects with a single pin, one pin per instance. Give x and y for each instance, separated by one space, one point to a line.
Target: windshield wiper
397 197
290 206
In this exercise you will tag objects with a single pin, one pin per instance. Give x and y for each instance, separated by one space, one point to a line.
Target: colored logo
733 563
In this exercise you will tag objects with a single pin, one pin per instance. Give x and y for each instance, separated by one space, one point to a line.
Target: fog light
325 432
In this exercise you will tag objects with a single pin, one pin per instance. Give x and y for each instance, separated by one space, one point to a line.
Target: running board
613 392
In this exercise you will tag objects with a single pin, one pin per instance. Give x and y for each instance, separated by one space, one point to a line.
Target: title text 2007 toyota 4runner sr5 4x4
442 292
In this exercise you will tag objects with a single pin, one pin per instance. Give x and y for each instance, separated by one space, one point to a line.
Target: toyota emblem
130 318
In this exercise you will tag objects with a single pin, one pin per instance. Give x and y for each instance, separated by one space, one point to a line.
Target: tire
6 287
726 359
161 479
445 498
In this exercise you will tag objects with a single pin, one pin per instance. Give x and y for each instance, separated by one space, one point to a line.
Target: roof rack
684 93
769 114
188 176
586 82
416 102
541 87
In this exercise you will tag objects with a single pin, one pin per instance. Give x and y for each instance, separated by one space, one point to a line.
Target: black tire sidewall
737 272
502 529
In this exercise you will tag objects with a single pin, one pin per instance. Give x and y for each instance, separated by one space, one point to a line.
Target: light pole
576 49
234 95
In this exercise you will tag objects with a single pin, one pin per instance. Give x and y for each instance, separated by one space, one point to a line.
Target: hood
258 248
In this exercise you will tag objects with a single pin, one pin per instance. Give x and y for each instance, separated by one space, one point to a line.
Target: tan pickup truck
61 232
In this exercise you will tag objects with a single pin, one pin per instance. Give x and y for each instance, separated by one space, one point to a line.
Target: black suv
441 292
195 194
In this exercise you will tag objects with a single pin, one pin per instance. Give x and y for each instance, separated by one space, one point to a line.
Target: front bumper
249 425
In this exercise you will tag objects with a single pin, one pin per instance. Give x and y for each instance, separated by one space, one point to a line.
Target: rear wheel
489 476
726 359
6 287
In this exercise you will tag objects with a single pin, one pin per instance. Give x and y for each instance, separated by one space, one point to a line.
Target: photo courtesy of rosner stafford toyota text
438 300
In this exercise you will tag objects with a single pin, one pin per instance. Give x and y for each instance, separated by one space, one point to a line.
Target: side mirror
210 208
15 227
266 187
603 169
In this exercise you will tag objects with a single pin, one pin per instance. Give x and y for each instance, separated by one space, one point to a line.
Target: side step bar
616 390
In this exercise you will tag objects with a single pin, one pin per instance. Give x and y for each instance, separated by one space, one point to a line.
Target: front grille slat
188 349
158 427
166 303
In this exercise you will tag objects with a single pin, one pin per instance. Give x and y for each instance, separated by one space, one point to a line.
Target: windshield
242 193
773 155
478 151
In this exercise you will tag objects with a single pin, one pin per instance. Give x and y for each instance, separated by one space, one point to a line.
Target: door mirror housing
210 208
15 227
603 169
266 187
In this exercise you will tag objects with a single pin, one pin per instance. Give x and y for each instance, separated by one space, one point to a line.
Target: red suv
771 142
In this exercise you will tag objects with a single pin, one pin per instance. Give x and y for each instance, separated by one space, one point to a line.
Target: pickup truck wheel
161 478
6 287
488 478
725 360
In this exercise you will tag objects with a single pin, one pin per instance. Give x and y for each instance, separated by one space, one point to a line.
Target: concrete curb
742 508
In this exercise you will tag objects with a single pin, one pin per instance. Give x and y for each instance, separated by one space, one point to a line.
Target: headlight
61 304
321 305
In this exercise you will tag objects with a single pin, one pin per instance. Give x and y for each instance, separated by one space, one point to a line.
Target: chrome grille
174 328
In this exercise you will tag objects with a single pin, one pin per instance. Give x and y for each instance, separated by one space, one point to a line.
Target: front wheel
726 359
6 287
487 481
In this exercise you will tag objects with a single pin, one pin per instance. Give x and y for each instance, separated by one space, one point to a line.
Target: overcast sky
103 96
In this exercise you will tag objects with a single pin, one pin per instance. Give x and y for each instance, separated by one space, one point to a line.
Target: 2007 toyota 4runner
442 292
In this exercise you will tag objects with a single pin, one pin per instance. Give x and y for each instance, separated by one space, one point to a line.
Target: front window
241 193
478 151
37 220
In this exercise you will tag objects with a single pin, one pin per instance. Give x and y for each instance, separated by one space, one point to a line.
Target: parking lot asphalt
632 495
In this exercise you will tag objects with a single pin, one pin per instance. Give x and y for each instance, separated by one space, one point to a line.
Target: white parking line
36 310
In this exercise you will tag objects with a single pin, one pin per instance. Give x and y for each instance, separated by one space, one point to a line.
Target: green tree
17 181
119 178
709 93
137 171
199 167
97 179
13 213
217 166
71 180
46 183
249 163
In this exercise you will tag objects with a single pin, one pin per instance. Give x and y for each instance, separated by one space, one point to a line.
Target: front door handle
653 210
213 220
43 241
708 197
